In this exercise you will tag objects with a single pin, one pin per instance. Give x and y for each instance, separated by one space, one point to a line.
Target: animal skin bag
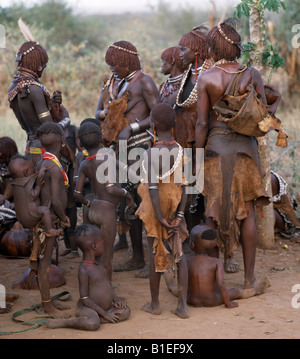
246 114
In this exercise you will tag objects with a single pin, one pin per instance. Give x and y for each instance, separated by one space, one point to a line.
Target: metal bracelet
135 127
64 123
43 114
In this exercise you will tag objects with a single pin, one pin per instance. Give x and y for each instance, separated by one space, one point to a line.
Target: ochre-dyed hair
220 46
116 56
35 58
163 115
8 149
172 54
196 41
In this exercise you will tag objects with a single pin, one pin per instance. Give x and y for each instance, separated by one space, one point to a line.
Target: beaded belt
138 139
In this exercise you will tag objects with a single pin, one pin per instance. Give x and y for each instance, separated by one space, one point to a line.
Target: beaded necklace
24 79
171 85
224 62
177 162
193 94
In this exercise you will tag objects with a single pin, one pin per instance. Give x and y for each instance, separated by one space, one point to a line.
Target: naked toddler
206 287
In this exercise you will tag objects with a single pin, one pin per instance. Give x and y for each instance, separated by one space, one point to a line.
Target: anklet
46 301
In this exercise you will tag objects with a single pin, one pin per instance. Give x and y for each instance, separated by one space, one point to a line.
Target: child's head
163 117
203 239
90 238
89 135
19 166
50 133
8 148
91 119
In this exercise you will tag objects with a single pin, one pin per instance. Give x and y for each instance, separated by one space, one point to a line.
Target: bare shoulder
206 77
36 90
51 167
256 75
148 81
82 270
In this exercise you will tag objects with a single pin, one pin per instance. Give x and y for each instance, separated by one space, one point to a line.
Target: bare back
98 183
212 85
202 287
216 81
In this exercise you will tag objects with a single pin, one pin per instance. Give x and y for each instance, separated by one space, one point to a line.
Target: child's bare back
202 287
206 287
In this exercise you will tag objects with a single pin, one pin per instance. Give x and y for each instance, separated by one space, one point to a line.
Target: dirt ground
268 316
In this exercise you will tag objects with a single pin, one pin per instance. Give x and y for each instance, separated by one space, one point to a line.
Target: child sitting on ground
206 286
26 185
98 301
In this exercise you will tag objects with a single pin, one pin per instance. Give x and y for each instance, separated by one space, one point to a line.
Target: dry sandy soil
268 316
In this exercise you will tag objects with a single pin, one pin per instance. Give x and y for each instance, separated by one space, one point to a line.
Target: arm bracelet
153 187
135 127
64 123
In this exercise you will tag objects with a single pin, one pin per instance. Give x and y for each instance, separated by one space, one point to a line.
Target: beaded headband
224 35
238 44
125 50
19 56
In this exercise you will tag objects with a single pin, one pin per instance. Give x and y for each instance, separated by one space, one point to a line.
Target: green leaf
243 9
246 9
238 11
272 5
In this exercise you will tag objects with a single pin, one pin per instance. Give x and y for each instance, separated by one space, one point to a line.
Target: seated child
98 301
162 208
107 193
26 185
206 286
